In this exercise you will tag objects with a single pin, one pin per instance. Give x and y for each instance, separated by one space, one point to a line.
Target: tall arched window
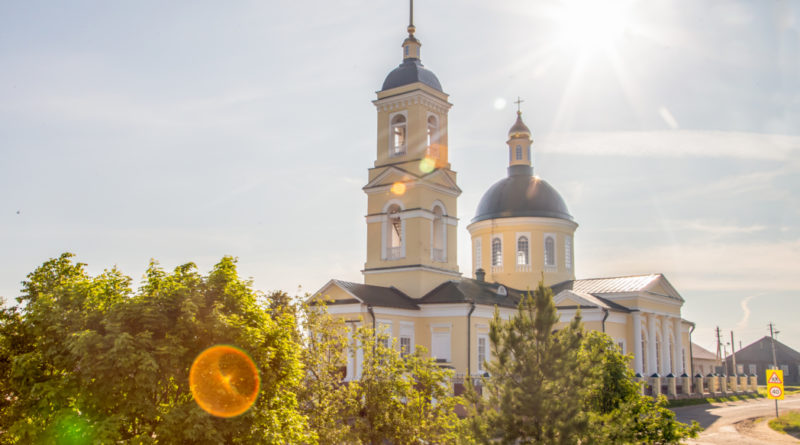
398 135
497 252
438 234
549 251
433 130
522 251
519 152
394 233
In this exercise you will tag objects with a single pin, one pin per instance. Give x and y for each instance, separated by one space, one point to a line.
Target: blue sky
185 131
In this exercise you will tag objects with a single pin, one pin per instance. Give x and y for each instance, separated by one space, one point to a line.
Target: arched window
522 251
394 233
478 254
519 152
438 227
549 251
433 130
497 252
398 135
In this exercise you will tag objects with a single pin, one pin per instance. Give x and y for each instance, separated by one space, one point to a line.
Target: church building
522 230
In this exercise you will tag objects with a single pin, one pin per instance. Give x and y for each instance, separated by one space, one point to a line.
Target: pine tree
550 386
535 378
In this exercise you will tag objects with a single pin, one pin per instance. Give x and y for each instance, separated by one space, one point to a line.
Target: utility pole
774 359
733 356
719 348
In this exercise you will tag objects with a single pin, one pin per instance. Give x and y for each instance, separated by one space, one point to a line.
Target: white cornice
523 220
411 268
403 100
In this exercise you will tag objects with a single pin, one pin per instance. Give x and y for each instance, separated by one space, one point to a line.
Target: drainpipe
605 311
469 338
374 333
691 355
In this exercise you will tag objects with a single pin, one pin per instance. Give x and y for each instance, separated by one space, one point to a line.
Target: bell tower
411 193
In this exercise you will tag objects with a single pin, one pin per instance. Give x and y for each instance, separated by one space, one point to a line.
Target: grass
762 390
787 423
702 401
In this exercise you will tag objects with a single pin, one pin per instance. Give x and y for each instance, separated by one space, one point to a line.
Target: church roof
410 71
615 285
589 300
521 194
468 290
376 295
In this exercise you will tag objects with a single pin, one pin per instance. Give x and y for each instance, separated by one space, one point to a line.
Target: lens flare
427 164
398 188
224 381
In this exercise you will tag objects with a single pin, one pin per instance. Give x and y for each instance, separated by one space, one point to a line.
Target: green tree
561 386
94 361
618 412
535 388
400 399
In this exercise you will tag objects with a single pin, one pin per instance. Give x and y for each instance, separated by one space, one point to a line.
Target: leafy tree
561 386
618 412
93 361
396 399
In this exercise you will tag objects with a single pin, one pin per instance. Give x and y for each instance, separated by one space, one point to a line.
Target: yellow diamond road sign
775 384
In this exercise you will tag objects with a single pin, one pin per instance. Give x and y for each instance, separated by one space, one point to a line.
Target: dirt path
736 423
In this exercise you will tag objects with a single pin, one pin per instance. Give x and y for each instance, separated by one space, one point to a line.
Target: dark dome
519 128
521 194
410 71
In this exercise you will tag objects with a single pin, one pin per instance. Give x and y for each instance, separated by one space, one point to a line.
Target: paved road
736 423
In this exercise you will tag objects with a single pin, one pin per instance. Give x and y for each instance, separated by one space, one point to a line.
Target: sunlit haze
185 131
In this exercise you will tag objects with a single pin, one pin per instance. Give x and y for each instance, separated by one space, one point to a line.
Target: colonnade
646 361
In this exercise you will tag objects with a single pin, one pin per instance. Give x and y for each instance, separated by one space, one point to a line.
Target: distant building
756 358
704 361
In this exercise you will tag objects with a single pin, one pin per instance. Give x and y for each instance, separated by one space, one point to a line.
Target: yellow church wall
414 283
417 102
648 305
508 229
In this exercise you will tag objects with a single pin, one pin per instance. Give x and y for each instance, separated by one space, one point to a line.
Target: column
652 363
678 347
666 366
637 343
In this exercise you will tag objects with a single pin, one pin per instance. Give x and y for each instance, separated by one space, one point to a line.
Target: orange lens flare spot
398 188
224 381
427 164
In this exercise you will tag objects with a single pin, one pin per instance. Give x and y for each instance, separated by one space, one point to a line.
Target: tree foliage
87 360
552 386
395 399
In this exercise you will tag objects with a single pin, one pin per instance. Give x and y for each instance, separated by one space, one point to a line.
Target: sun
592 25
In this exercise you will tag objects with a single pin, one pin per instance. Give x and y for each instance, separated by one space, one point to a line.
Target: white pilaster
666 366
637 343
678 347
652 362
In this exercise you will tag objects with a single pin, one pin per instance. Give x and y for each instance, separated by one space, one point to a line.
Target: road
736 423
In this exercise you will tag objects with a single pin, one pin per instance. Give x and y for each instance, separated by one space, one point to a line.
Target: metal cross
518 101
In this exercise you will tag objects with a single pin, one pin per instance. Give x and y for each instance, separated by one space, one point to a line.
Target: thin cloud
745 313
679 143
713 266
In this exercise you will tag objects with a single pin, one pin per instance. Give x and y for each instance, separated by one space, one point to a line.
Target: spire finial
411 27
518 102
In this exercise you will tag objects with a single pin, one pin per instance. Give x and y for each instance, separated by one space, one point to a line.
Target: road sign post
775 386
